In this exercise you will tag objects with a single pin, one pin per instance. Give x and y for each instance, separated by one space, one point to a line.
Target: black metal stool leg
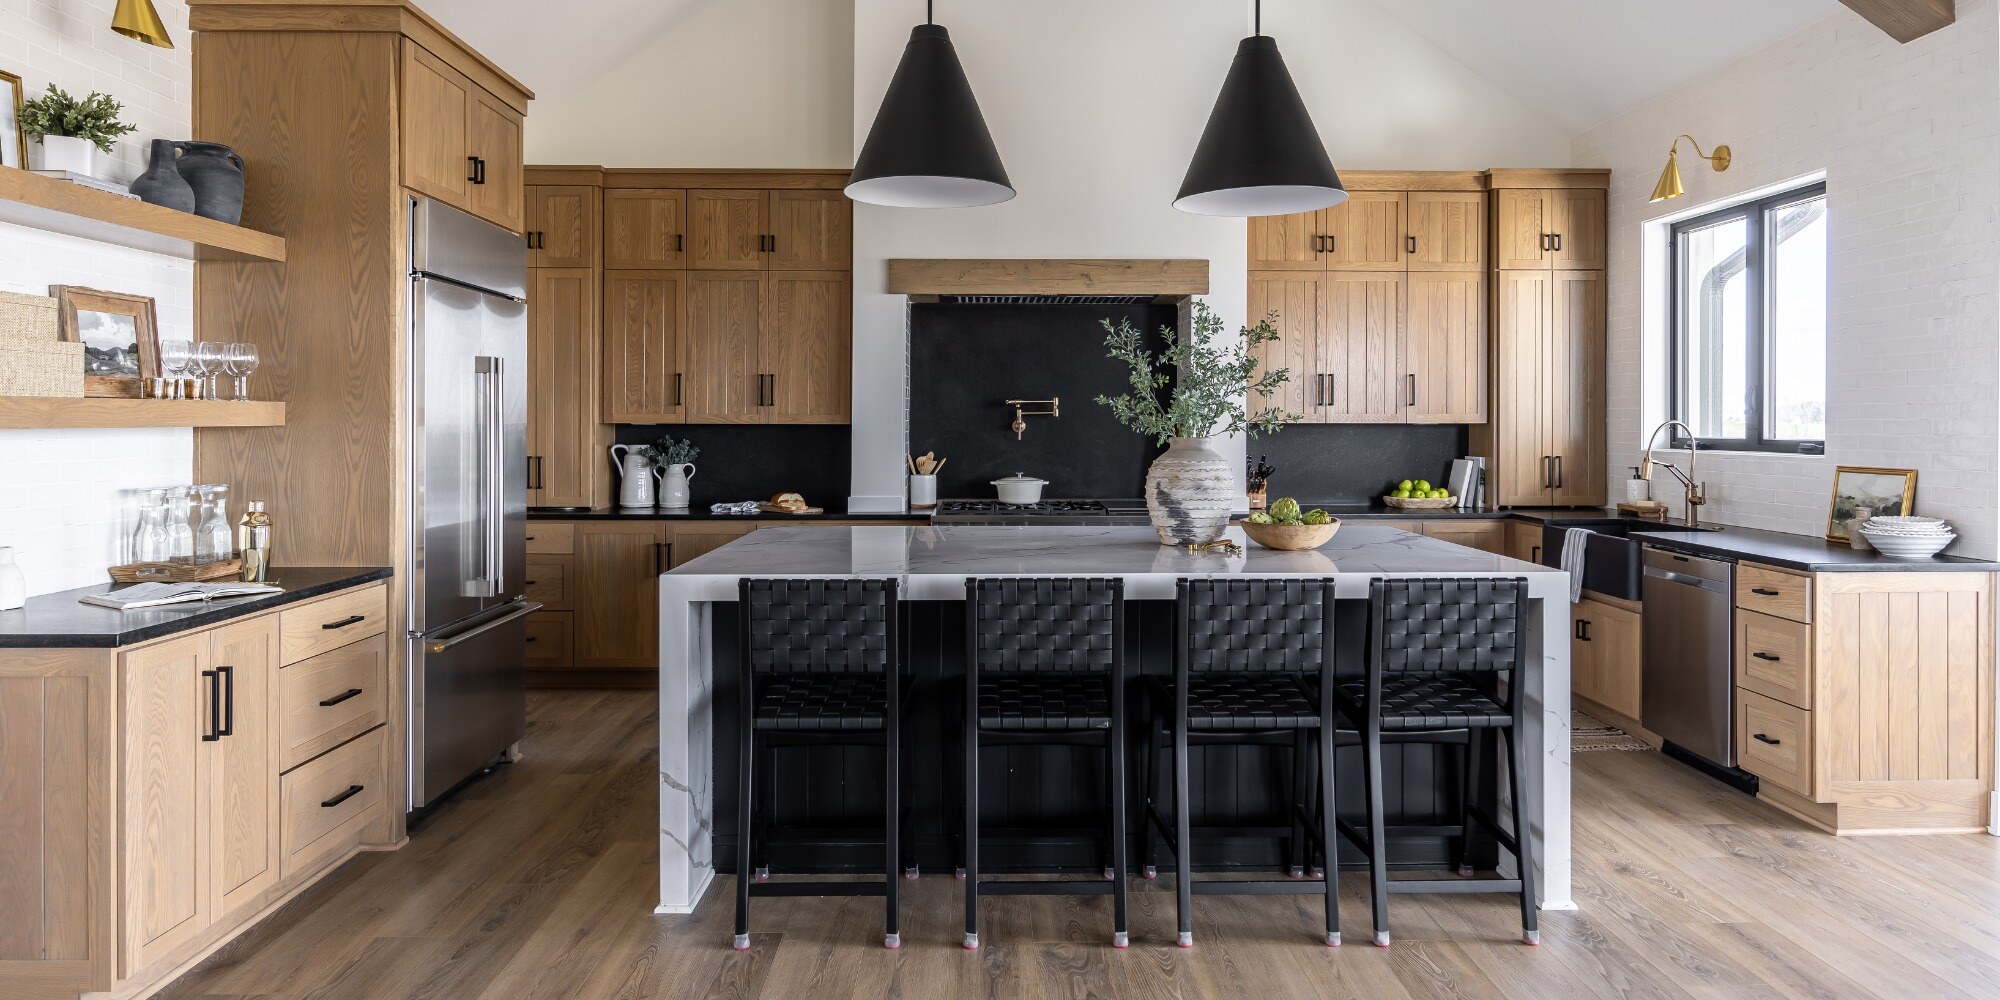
1378 847
744 791
1473 741
1149 795
1517 765
1300 804
971 832
1329 839
892 823
1183 847
767 803
1115 746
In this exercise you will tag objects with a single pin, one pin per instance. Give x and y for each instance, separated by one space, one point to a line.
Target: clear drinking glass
243 359
213 536
207 362
150 543
175 355
180 529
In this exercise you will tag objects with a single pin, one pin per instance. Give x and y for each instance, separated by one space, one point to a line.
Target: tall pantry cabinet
1544 443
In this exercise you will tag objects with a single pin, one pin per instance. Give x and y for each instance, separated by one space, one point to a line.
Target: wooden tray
1425 503
769 509
158 572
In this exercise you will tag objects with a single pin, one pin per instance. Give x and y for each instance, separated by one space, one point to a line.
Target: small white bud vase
1189 492
13 586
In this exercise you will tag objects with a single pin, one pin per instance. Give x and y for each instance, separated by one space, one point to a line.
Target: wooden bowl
1290 537
1421 503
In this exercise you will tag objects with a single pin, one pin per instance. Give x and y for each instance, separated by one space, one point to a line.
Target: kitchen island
931 564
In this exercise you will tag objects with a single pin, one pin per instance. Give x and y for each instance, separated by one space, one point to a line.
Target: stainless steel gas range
1054 512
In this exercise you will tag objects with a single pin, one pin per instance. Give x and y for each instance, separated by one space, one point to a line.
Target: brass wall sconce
1670 179
136 19
1020 424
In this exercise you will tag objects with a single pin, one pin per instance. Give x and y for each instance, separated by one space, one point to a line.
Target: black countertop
700 513
60 620
1806 553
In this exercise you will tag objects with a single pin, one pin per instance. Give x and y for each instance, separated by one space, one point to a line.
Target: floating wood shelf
28 199
19 412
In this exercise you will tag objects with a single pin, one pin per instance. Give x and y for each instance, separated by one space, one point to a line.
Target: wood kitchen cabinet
645 362
1551 229
768 348
1292 300
563 225
460 144
1605 650
1444 347
778 229
1361 346
645 229
618 565
566 440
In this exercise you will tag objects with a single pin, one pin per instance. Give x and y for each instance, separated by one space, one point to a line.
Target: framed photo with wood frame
119 334
1891 492
13 141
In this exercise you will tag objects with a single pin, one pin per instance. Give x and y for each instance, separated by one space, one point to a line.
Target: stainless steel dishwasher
1688 696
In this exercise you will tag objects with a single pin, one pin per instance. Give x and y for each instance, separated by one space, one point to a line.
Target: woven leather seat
822 702
1044 702
1243 703
1426 702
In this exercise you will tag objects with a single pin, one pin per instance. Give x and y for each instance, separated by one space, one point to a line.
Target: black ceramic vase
162 183
215 173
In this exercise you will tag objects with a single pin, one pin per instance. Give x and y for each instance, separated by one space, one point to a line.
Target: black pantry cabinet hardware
1763 591
352 791
214 707
344 622
337 699
1761 738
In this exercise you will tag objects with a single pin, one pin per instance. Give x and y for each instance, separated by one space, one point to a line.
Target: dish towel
741 507
1574 542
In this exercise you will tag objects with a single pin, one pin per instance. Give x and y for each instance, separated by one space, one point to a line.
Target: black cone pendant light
1259 154
929 147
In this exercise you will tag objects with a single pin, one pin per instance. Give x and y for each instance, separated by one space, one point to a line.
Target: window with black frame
1748 331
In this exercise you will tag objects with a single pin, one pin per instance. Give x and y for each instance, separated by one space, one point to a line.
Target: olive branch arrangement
1211 380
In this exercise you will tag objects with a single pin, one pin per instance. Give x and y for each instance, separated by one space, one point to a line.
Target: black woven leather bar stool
1247 655
1045 664
1436 650
820 666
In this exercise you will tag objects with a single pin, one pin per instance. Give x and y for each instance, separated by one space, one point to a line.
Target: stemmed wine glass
175 356
207 365
242 361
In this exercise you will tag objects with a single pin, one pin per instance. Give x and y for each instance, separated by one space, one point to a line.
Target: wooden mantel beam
1904 20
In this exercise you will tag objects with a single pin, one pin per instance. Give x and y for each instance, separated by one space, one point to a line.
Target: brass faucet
1020 425
1695 497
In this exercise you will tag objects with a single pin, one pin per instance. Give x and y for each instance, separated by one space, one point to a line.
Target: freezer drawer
473 701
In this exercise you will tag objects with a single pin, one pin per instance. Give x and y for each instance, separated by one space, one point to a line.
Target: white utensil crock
923 492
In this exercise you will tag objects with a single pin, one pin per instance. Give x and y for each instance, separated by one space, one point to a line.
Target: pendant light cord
1257 19
929 13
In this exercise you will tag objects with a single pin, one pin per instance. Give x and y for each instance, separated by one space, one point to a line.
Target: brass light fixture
136 19
1670 178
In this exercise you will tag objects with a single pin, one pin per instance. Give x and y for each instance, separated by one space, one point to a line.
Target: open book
152 595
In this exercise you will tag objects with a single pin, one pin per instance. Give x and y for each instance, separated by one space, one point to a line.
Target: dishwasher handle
1685 579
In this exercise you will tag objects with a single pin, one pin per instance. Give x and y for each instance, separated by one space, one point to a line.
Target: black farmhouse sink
1611 561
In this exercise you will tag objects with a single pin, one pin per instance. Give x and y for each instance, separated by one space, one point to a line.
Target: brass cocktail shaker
253 540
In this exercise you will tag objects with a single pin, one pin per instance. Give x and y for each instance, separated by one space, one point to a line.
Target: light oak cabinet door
1444 347
562 226
810 231
1294 298
167 722
562 398
1523 229
494 138
1577 218
617 594
1521 474
1447 230
1288 242
728 230
1361 338
242 766
805 346
1605 647
551 642
1366 232
436 109
725 317
645 229
1575 389
645 351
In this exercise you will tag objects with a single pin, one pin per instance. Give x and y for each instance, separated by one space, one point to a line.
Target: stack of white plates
1901 537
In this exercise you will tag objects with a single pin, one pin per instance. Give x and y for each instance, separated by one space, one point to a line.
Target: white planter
1189 492
674 485
64 152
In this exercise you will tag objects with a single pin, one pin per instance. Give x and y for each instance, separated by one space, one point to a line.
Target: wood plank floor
540 882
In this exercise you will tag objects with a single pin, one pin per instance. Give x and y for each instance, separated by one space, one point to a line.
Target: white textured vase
1189 492
64 152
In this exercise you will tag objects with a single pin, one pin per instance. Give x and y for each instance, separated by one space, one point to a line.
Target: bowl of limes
1418 494
1287 528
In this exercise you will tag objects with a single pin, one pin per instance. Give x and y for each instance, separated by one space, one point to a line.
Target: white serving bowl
1898 546
1907 521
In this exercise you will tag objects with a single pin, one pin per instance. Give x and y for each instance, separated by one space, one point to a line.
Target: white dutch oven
1020 488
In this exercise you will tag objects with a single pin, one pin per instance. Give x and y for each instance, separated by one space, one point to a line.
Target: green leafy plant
1210 380
667 451
95 118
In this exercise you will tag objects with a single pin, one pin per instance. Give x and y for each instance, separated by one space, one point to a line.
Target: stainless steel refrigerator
468 497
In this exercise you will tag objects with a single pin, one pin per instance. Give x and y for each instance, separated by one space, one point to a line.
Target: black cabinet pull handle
1534 553
1766 656
472 169
530 583
1413 244
228 701
344 622
1413 389
352 791
1332 243
677 389
1559 472
214 707
677 243
337 699
1576 629
1763 591
1331 385
1558 239
659 558
1761 738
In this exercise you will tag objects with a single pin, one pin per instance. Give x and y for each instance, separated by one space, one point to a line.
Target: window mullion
1755 384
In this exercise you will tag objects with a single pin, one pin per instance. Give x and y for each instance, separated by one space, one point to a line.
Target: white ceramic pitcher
674 485
636 475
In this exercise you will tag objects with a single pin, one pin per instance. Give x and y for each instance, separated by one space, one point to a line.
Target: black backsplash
1353 463
754 461
966 359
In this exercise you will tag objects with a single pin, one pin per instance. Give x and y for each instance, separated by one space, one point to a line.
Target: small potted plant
72 131
1190 489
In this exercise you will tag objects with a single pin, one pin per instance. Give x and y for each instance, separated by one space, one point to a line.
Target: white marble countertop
933 561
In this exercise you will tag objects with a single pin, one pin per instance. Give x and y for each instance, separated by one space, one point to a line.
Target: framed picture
1883 491
13 141
121 342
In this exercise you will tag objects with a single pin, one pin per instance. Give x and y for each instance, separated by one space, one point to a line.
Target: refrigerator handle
492 471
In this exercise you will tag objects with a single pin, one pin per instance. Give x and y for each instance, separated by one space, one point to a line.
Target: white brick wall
64 494
1909 139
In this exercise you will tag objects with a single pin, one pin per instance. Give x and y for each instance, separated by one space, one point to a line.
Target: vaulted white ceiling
1576 62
